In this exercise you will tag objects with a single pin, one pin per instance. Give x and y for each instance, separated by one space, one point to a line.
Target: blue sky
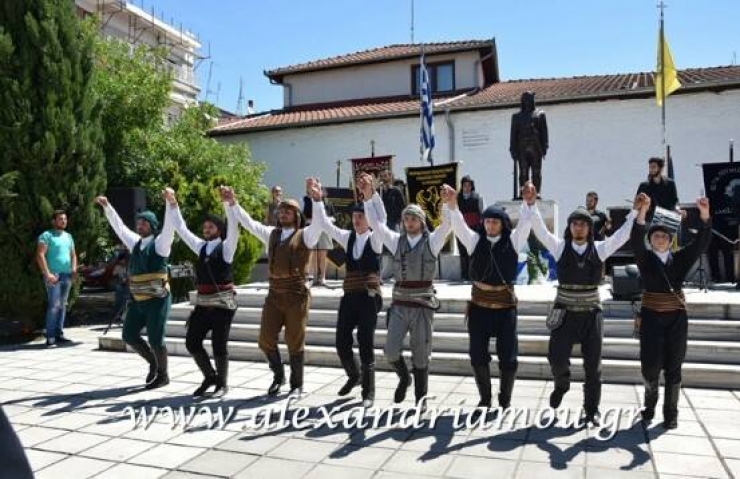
535 38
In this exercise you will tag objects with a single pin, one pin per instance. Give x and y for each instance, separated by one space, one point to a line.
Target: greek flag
427 118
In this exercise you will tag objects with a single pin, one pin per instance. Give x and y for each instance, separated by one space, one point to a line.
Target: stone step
714 352
699 329
530 367
533 300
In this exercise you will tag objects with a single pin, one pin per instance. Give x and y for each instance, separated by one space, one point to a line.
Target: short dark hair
58 213
592 193
658 160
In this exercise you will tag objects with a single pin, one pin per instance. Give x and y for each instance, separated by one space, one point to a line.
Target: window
441 77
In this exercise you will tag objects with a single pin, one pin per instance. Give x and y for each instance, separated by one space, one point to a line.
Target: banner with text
424 185
372 165
722 186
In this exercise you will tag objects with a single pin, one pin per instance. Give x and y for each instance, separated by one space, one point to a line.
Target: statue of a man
529 141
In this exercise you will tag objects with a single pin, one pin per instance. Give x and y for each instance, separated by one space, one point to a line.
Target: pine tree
50 133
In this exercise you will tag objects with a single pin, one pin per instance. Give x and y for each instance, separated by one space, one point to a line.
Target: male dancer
149 285
494 253
414 302
215 303
361 301
664 323
288 299
576 315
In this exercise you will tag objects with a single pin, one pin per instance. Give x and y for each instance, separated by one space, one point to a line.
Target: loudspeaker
127 202
626 283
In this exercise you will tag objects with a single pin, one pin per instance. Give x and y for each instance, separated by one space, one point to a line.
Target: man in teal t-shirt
56 257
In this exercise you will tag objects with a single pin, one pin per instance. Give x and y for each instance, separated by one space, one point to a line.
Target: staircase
712 359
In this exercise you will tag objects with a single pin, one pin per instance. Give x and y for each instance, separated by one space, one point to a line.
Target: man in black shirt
664 324
661 190
471 206
393 199
601 221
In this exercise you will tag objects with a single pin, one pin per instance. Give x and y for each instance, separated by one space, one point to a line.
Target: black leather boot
209 375
353 375
162 378
556 397
670 405
368 385
591 401
651 399
506 388
145 351
222 375
276 365
421 380
404 379
296 374
482 373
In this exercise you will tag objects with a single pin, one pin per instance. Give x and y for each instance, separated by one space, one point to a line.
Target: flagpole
661 5
421 111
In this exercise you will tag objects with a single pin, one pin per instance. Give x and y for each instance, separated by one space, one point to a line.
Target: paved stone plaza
69 407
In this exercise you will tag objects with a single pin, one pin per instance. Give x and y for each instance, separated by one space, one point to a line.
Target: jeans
121 299
56 295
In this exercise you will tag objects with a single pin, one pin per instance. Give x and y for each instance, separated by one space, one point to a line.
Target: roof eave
277 75
627 95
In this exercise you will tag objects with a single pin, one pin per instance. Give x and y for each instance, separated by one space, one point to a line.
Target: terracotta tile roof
376 55
498 95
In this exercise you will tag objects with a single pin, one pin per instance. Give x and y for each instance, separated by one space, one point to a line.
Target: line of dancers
575 317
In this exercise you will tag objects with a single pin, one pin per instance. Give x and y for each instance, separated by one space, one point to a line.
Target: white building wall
602 146
372 81
117 21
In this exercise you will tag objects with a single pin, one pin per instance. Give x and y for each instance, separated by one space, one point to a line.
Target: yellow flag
666 70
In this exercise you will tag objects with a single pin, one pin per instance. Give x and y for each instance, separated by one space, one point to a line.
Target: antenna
208 82
412 21
240 100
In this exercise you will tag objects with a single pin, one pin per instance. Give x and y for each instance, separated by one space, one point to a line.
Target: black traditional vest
369 261
483 268
579 270
220 273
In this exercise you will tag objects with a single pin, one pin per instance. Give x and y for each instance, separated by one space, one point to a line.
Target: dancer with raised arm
149 284
215 303
288 299
362 299
414 302
576 315
663 319
492 313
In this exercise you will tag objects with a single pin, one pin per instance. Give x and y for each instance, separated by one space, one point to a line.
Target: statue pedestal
548 210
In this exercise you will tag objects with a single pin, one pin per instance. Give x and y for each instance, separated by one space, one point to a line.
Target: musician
661 190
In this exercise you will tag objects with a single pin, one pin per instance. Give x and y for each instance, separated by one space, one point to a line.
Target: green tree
195 166
50 134
144 152
133 85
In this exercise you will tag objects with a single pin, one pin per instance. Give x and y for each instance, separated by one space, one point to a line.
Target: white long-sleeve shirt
342 235
262 232
604 248
162 242
196 244
469 237
374 210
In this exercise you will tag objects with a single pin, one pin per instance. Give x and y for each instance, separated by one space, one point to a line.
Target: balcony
185 75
